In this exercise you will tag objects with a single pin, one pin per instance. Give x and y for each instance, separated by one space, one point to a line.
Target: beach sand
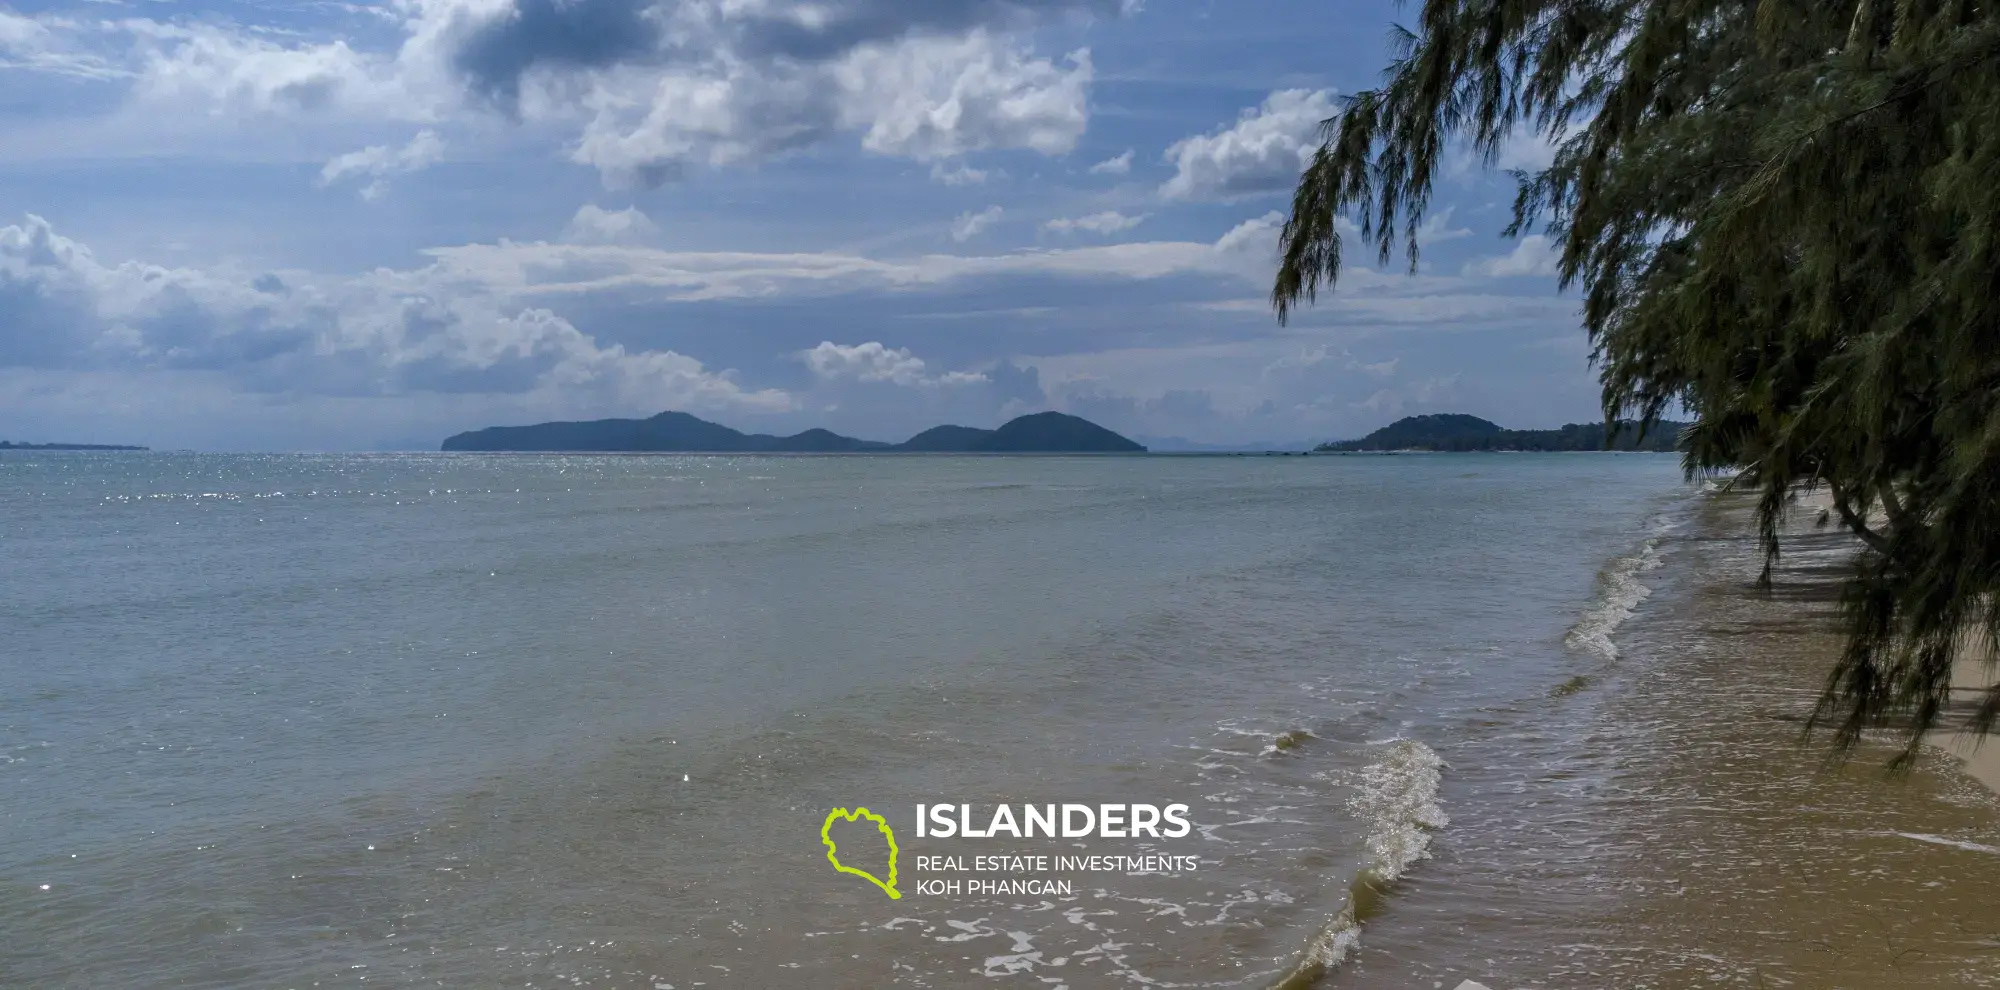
1696 835
1971 677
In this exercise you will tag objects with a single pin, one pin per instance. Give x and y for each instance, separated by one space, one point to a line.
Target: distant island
678 432
10 445
1460 432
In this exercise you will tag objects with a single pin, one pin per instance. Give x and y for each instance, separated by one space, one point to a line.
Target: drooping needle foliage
1782 216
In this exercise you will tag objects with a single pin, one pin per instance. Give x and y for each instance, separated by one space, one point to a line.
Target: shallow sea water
427 720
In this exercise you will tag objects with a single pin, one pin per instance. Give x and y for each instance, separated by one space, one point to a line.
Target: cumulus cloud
19 34
1437 228
388 333
595 224
1107 222
874 362
969 225
500 43
1119 165
224 70
929 98
379 162
1535 254
650 88
1246 236
1017 387
926 98
958 175
1262 152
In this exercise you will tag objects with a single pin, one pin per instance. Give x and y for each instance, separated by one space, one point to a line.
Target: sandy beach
1767 862
1974 672
1971 677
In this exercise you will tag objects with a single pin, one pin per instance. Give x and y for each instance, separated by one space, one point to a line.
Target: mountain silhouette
1461 432
678 432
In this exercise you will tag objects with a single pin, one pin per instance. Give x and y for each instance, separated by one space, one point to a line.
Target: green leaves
1783 216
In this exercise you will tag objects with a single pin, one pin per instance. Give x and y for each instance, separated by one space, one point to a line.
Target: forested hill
1046 432
1460 432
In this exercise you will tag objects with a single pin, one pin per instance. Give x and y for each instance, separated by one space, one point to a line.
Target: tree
1782 216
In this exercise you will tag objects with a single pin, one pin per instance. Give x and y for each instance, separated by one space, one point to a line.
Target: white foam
1619 594
1397 799
1939 840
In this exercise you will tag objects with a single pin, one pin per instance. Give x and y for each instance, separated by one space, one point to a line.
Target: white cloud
595 224
20 34
1522 149
1107 223
225 71
970 225
1527 151
1315 356
1437 228
1305 358
869 362
960 174
1534 255
647 89
48 44
1430 392
380 161
873 362
1262 152
1246 236
926 98
539 270
385 334
930 98
1119 165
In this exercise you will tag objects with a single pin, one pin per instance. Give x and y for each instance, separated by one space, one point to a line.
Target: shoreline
1971 674
1978 755
1813 868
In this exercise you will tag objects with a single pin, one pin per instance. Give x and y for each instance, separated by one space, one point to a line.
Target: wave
1397 800
1619 594
1286 741
1939 840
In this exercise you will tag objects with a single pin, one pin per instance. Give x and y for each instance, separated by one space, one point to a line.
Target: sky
273 225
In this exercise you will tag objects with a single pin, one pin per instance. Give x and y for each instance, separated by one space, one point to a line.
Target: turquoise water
408 720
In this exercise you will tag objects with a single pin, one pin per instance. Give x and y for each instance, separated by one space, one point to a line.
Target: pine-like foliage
1782 216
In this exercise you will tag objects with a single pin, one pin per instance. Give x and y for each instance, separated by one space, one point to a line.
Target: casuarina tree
1781 216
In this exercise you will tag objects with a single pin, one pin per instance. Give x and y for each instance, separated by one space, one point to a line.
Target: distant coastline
678 432
1460 433
1042 433
10 445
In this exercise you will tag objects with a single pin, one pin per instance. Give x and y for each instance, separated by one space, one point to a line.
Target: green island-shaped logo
833 853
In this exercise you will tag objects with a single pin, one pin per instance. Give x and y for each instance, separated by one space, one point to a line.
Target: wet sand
1693 836
1981 755
1761 860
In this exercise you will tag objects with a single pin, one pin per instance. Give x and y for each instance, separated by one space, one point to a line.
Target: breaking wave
1286 741
1397 800
1619 594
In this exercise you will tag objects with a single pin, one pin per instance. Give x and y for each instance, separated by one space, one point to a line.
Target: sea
431 720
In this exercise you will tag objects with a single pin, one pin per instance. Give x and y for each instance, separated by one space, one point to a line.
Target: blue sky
322 225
